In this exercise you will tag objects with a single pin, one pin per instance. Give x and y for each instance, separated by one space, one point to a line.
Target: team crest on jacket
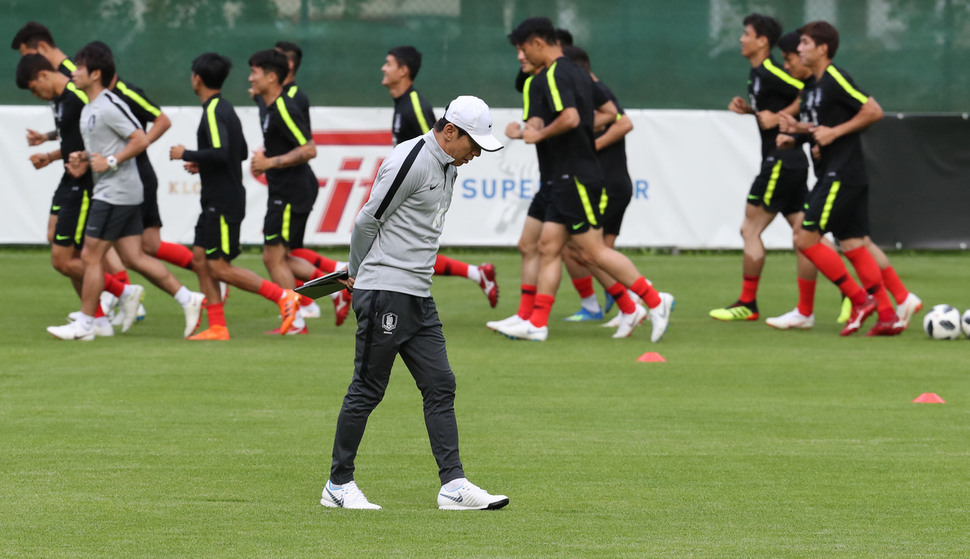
389 322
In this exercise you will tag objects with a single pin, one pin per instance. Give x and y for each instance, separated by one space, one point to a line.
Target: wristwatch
112 162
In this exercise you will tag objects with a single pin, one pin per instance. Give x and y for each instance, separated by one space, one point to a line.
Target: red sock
584 286
527 301
319 261
444 266
894 285
644 289
540 314
749 289
98 311
828 262
122 276
175 254
271 291
317 273
871 278
113 286
217 316
623 300
806 296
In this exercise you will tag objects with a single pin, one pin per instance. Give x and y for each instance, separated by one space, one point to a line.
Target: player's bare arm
35 138
160 126
615 133
740 106
564 122
296 156
869 113
604 115
176 152
41 160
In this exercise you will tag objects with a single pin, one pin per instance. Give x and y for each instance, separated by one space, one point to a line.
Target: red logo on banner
350 172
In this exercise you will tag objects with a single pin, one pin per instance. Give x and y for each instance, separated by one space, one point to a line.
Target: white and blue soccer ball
965 323
944 322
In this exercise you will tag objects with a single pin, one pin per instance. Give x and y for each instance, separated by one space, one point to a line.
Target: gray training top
395 238
106 124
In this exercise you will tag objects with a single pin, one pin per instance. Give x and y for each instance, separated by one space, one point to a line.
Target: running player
412 115
36 38
781 186
218 161
834 112
112 138
288 145
570 215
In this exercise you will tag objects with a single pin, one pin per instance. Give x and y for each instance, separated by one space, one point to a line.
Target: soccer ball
943 322
966 323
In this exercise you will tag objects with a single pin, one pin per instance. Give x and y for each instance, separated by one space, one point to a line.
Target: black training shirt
830 101
771 89
222 149
412 116
573 153
284 129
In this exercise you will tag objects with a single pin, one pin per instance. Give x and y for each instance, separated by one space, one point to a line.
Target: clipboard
321 287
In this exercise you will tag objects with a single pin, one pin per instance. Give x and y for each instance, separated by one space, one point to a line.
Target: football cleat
488 283
791 320
294 330
608 302
348 496
887 328
630 321
71 331
737 311
613 322
497 324
525 330
908 308
193 312
845 311
470 497
310 311
141 310
128 305
289 305
215 332
660 316
102 327
859 315
341 305
583 315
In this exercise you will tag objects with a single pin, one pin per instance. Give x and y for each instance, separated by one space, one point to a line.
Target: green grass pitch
747 442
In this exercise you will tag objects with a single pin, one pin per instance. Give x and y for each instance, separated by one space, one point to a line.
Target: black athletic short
72 217
282 225
150 216
779 189
110 223
539 205
616 197
837 207
218 237
574 203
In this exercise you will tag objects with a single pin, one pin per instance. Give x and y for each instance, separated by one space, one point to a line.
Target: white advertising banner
691 172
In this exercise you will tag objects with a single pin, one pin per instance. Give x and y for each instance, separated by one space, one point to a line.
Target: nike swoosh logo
62 237
271 237
578 225
457 499
211 250
336 499
55 208
808 223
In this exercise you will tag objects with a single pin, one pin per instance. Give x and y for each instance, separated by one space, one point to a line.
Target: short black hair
409 56
577 55
212 68
31 34
764 26
292 51
272 61
97 56
565 37
29 67
440 124
822 33
540 27
788 42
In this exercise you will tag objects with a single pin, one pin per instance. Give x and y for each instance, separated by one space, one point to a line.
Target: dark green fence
912 55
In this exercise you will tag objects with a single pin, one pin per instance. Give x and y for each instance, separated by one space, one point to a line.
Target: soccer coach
392 255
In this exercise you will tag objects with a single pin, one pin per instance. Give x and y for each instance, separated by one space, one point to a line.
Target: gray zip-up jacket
395 238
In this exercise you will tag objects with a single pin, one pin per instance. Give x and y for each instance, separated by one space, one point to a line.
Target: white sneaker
909 307
660 316
349 496
128 305
102 328
510 321
71 331
470 497
74 316
109 306
791 319
141 312
311 311
193 313
630 321
525 330
613 322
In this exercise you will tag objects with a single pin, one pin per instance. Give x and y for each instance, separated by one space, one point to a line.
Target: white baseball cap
471 115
